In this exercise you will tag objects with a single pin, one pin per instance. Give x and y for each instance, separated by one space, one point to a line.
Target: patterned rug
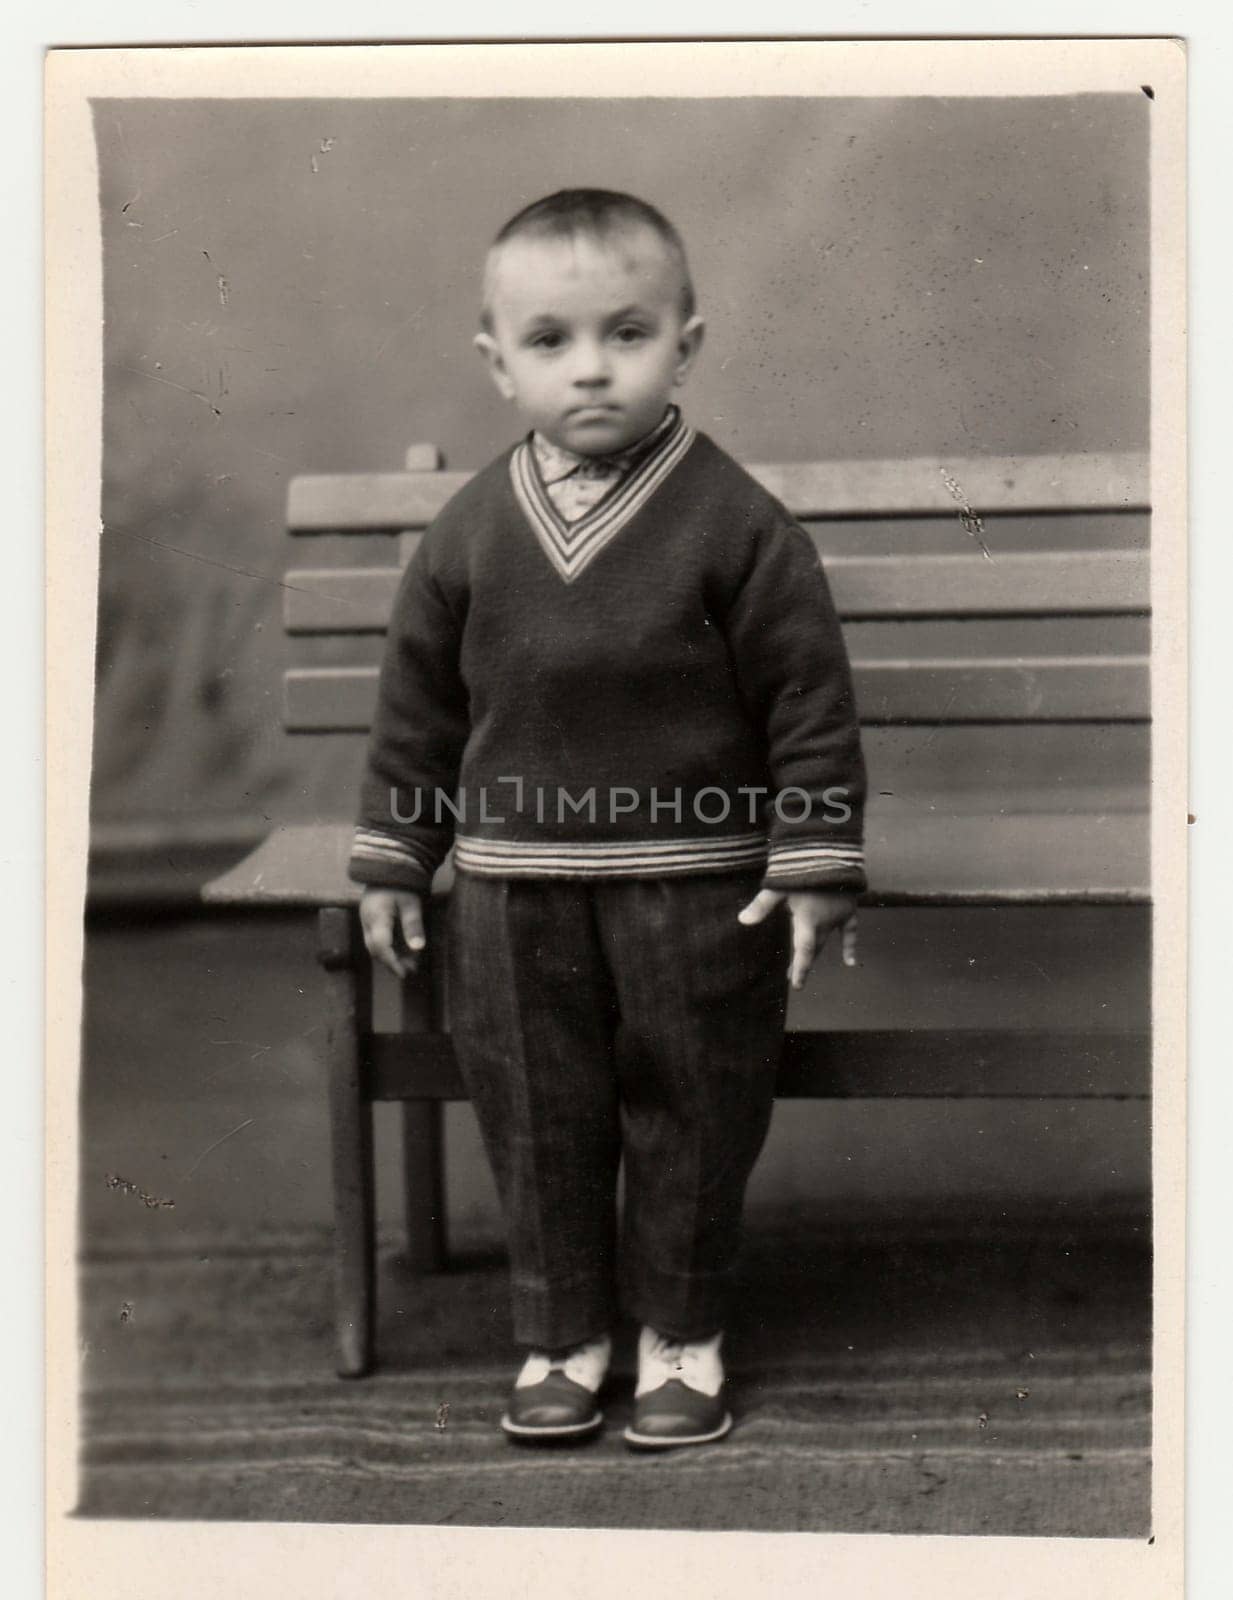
962 1382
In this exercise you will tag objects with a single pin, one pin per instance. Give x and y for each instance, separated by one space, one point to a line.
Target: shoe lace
675 1357
583 1359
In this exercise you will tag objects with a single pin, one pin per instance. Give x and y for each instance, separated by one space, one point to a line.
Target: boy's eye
630 333
548 339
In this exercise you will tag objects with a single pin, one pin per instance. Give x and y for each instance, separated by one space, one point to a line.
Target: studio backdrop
292 287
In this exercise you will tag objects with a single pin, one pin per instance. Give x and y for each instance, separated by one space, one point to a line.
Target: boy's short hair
597 214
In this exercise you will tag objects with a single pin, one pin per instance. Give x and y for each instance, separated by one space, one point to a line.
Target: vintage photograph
618 936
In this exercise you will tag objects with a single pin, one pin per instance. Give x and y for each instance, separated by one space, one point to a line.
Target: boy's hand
815 914
393 924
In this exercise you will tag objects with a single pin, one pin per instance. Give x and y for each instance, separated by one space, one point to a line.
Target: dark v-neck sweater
660 687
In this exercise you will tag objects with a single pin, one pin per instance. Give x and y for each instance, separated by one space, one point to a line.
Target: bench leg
424 1184
346 1000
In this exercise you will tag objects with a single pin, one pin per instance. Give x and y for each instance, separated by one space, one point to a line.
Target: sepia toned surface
210 768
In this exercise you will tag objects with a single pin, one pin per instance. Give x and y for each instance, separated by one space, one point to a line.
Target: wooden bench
995 618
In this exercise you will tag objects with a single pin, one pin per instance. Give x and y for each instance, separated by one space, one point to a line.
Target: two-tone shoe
679 1399
554 1396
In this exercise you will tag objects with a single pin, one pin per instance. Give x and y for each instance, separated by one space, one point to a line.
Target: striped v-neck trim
572 546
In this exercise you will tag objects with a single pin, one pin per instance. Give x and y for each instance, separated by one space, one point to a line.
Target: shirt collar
555 462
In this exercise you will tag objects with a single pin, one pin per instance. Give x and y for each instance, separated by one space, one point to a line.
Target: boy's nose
592 369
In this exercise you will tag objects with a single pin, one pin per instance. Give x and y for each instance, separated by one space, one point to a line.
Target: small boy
615 682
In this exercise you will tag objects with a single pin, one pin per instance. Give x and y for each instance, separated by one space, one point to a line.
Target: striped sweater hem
806 866
380 858
632 858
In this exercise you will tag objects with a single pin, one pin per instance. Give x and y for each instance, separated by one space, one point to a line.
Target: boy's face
588 336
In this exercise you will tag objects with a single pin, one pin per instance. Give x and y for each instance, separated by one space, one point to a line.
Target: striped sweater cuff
382 860
810 864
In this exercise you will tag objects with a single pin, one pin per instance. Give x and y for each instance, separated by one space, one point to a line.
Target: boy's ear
688 345
491 352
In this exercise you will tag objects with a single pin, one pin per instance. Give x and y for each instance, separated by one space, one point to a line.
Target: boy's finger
804 949
381 948
413 926
761 906
379 941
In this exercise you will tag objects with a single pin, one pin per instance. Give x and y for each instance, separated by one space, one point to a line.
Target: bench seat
917 856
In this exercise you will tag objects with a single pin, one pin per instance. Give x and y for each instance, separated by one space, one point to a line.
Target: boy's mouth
592 413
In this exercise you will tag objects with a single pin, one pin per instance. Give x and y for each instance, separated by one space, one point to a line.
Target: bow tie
556 463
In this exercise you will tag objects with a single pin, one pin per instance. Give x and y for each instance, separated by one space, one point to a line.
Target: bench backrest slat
1053 583
1063 689
374 502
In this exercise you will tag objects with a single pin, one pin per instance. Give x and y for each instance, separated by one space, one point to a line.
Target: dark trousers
600 1020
